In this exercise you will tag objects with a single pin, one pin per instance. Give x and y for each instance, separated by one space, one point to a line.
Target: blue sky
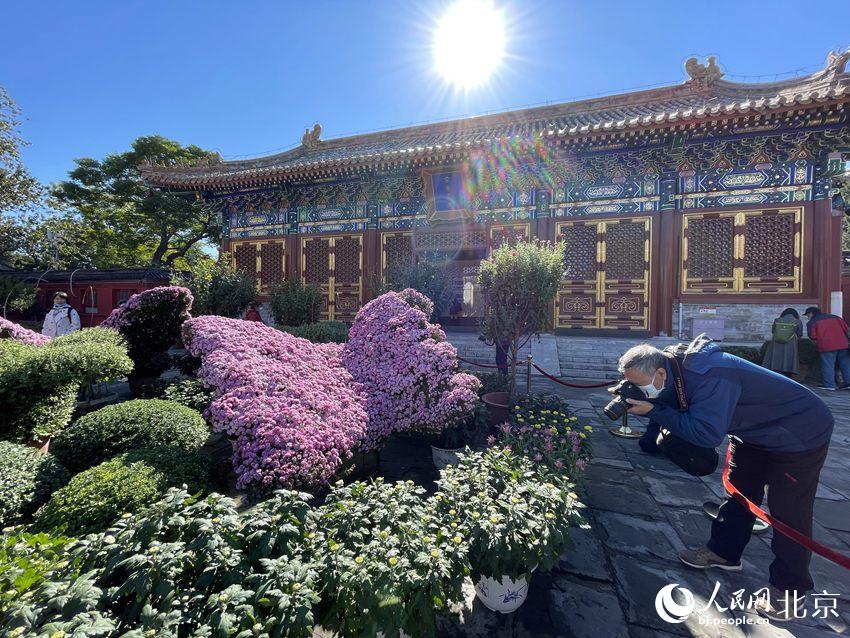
246 78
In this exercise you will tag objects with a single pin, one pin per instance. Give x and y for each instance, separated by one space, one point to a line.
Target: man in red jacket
830 333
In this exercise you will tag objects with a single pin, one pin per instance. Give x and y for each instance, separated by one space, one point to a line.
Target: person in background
781 355
830 334
62 318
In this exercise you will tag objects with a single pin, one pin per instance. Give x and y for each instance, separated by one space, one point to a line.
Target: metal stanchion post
528 374
624 430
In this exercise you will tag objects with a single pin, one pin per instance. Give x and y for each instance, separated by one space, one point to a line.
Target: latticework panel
454 240
510 235
245 257
347 260
769 246
580 253
711 247
625 252
398 252
271 263
316 261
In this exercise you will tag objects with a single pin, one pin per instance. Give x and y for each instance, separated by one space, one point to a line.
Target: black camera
618 405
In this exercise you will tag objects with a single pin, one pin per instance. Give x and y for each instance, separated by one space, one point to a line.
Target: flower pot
504 596
443 457
497 404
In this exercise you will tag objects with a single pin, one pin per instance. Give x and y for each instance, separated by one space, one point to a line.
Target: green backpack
783 331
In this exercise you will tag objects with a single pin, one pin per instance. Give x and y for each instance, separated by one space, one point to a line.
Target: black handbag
693 459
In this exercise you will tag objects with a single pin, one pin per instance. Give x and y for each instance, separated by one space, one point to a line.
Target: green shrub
183 568
295 303
189 392
321 332
25 560
27 479
142 423
432 281
95 498
218 287
186 363
38 384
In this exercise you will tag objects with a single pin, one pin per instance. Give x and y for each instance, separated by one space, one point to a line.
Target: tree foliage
18 189
113 200
518 285
218 287
15 294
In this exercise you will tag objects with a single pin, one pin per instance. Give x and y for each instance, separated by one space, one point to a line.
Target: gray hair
645 358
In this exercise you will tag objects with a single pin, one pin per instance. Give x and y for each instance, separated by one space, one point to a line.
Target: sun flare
469 42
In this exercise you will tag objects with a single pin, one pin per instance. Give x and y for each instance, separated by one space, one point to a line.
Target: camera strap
678 376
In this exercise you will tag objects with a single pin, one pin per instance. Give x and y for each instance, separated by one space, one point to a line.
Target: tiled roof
704 95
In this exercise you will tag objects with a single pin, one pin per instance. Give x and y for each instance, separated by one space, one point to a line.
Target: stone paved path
641 510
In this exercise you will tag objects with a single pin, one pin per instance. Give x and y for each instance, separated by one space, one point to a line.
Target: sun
469 43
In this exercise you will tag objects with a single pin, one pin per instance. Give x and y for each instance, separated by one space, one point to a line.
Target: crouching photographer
779 431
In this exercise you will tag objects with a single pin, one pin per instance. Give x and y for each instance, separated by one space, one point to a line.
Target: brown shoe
704 558
779 605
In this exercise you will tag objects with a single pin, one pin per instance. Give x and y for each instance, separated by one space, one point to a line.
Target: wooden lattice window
711 247
398 252
271 263
625 250
245 257
316 261
580 253
510 235
745 251
347 260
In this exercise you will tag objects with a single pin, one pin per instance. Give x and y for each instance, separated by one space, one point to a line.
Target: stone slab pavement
641 510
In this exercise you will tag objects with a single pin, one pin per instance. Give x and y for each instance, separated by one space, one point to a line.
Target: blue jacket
730 396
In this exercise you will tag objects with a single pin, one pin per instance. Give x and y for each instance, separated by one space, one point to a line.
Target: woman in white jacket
62 318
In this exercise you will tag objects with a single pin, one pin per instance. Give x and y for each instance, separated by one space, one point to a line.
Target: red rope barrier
779 526
572 385
544 373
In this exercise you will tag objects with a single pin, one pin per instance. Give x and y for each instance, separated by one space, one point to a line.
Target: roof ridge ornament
836 62
310 139
703 75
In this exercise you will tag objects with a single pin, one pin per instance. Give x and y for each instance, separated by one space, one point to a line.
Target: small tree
426 278
217 287
518 285
15 294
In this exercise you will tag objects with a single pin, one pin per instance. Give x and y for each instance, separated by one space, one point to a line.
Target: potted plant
513 520
381 547
544 429
453 439
518 285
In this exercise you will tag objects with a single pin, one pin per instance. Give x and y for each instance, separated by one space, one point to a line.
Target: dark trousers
792 480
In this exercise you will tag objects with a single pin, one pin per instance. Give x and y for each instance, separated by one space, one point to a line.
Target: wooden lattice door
335 266
606 274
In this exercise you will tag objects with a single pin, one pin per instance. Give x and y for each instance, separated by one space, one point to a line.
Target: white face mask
650 390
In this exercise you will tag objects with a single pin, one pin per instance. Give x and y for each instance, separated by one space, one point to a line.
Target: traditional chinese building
709 196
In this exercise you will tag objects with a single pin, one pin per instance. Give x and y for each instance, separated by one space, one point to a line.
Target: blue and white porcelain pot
504 596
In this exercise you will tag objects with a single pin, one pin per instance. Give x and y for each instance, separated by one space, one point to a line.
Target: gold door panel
335 266
606 274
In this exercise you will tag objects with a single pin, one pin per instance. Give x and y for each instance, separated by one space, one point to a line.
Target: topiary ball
27 479
94 499
143 423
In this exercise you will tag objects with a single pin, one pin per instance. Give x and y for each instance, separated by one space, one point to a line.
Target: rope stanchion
480 365
573 385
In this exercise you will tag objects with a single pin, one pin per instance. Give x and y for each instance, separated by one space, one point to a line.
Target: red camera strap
779 526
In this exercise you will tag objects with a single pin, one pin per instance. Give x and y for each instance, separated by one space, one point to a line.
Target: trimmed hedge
27 479
38 384
320 332
94 499
142 423
188 391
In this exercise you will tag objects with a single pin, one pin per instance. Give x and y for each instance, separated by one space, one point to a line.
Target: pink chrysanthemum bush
294 411
11 330
150 323
408 370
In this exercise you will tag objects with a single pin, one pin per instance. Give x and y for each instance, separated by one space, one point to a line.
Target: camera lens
616 408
